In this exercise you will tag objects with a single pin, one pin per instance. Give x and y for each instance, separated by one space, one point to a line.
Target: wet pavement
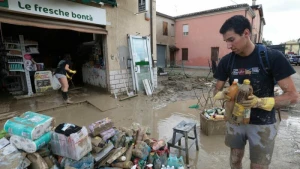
161 117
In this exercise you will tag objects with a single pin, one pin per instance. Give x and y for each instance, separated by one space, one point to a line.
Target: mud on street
166 108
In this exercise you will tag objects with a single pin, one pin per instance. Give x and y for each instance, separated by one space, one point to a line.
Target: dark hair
67 57
237 23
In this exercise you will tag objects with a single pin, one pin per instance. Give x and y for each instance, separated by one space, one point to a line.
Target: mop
70 79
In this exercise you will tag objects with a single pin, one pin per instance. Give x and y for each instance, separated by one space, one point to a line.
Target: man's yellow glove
222 95
238 110
266 103
72 71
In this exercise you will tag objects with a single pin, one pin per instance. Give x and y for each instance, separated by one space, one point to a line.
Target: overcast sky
282 16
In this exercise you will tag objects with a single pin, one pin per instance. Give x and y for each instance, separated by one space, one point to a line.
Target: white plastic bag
55 83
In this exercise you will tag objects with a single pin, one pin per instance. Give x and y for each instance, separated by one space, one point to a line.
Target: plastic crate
212 126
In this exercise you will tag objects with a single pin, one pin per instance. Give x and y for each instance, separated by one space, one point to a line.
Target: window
185 54
165 28
143 5
185 30
172 30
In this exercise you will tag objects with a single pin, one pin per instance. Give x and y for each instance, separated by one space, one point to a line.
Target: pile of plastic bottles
214 113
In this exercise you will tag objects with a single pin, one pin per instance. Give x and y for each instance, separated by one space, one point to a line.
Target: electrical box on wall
143 5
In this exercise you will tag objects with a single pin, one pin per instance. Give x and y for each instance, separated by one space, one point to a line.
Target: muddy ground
168 106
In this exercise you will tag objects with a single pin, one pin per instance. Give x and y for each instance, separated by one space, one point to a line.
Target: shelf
13 55
31 44
18 43
32 53
16 62
17 70
14 49
11 43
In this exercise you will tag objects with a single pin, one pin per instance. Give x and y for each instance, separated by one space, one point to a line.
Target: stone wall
118 77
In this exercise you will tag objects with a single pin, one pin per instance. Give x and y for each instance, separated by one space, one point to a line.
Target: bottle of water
163 167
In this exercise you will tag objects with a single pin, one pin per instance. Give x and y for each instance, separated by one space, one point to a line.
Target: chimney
253 2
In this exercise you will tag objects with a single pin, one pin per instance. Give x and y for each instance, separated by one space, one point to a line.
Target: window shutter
185 54
143 5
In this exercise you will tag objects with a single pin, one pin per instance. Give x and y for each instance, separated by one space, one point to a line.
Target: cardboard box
212 126
76 146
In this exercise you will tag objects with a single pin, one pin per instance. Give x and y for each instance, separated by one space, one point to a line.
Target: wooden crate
212 126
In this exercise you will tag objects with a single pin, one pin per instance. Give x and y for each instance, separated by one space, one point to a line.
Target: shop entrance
48 48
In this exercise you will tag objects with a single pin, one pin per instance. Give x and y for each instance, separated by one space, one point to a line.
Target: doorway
214 58
161 56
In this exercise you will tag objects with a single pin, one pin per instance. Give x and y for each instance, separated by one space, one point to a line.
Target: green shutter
4 3
82 1
111 2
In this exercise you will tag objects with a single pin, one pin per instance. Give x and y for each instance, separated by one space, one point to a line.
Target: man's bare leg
236 157
259 166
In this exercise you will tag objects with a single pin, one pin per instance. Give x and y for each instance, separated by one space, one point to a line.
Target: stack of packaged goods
72 145
30 131
27 135
35 143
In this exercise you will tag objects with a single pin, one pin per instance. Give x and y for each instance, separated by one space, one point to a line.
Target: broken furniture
182 130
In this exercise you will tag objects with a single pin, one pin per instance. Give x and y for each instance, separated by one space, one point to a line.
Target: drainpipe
248 9
259 33
151 30
252 16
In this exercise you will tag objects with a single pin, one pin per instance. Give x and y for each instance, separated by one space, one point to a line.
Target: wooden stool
182 130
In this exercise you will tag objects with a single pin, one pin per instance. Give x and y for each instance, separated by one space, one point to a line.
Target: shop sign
59 9
43 81
4 3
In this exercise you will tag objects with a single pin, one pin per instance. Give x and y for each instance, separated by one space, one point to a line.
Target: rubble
180 87
35 142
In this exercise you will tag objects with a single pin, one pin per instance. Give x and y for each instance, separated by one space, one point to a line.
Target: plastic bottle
245 91
229 105
233 90
128 153
163 167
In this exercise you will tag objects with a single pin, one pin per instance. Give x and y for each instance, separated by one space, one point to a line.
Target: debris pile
183 83
33 140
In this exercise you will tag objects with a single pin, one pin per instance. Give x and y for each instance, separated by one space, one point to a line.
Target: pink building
198 38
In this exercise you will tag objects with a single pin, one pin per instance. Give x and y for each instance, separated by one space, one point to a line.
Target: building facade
165 40
99 31
292 47
197 34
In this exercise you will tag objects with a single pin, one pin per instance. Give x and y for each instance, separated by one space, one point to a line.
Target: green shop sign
60 9
4 3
